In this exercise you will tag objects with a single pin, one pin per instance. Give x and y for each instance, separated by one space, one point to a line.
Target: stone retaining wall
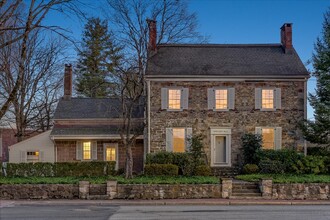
301 191
39 191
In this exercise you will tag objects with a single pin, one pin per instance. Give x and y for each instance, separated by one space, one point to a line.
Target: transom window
268 138
87 150
32 156
110 153
174 98
178 140
221 99
267 98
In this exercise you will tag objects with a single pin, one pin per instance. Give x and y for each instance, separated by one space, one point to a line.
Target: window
110 153
174 98
86 150
178 140
32 156
267 99
221 99
268 138
271 137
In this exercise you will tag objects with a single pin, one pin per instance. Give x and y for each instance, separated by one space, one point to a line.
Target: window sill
221 110
268 109
174 110
221 165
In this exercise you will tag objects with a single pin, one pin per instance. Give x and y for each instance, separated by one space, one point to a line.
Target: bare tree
175 24
35 98
18 21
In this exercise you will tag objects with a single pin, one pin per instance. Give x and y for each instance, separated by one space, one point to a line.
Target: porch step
246 190
247 194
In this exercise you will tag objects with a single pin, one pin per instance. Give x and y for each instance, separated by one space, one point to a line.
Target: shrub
311 165
271 166
161 170
318 151
250 168
288 158
61 169
203 170
251 143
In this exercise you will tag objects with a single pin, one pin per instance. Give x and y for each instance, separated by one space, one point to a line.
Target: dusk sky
246 21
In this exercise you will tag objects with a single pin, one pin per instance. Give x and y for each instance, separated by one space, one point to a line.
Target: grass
120 179
287 178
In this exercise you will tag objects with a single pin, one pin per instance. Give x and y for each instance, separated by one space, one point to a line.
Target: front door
220 145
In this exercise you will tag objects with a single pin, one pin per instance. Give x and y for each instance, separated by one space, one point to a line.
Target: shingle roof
92 108
224 60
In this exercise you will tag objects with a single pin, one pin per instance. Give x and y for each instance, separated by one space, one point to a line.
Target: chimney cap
286 25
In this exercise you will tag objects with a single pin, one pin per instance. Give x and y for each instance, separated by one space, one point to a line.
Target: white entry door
221 149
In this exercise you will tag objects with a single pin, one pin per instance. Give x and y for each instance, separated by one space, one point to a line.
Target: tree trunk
129 160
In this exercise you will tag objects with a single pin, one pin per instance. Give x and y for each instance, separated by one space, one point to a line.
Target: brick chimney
67 82
152 35
286 37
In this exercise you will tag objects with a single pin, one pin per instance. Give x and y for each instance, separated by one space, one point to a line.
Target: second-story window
174 99
267 99
221 99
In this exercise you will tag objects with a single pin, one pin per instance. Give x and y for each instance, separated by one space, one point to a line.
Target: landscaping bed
120 179
287 178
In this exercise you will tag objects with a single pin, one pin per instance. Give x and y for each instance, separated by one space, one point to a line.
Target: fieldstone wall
183 191
244 118
39 191
301 191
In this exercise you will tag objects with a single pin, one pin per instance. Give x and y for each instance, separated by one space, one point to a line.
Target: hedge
61 169
161 170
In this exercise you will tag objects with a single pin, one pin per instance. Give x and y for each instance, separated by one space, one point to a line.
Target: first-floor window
87 150
110 153
32 156
178 140
268 138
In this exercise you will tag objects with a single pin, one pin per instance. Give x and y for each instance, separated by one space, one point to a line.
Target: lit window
268 98
174 98
86 150
32 156
221 99
268 137
110 154
178 140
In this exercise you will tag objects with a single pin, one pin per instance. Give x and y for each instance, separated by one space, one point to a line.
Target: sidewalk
119 202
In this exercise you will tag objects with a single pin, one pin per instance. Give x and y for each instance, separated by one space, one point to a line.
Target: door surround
222 132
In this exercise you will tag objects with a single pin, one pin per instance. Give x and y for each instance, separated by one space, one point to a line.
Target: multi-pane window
178 140
32 156
110 153
221 99
268 138
174 98
267 98
86 150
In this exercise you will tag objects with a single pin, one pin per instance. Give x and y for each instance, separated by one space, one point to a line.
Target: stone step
93 197
246 190
245 187
246 197
247 194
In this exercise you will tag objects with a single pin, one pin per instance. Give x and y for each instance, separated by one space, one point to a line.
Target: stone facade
39 191
66 152
301 191
242 119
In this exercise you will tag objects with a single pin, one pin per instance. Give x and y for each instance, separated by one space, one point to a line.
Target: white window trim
215 101
185 137
168 99
33 150
226 132
275 136
105 153
274 99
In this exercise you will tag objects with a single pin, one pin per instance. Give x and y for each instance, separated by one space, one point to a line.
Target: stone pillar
266 187
227 187
111 189
83 189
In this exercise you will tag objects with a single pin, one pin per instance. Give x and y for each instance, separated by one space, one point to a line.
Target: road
113 212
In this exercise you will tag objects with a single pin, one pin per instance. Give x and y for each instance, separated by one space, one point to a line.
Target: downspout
148 85
305 113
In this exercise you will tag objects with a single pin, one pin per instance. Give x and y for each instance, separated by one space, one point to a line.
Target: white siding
41 143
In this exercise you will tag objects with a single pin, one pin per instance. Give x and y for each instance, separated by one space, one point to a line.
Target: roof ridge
221 45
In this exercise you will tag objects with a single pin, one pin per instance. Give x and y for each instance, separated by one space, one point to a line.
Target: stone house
87 129
223 91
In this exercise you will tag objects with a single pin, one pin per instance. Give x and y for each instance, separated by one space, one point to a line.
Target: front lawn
120 179
287 178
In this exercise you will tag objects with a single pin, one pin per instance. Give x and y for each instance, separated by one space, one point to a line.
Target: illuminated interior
174 98
111 154
178 140
268 137
32 156
86 150
221 99
267 98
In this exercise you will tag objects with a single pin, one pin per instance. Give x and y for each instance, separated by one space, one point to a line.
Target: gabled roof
93 108
225 60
